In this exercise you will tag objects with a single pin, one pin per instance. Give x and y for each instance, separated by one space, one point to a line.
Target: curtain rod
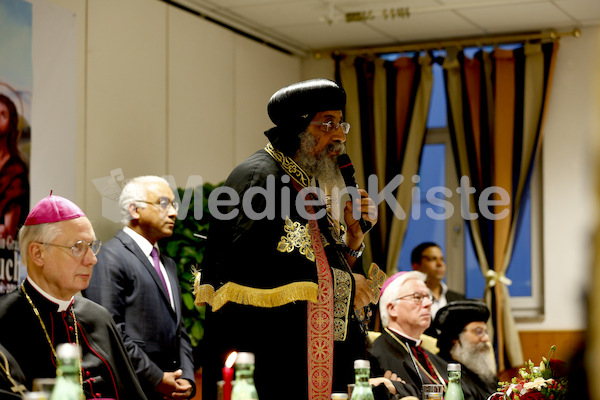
461 43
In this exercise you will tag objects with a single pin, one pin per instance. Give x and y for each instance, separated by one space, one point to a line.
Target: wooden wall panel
537 344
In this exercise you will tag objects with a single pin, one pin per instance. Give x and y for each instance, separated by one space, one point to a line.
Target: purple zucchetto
53 209
391 279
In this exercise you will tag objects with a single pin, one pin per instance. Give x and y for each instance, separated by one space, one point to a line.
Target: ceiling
303 26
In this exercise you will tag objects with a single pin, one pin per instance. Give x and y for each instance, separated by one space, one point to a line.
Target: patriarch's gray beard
320 166
476 357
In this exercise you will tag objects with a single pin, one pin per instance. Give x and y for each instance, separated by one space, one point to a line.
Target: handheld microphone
347 171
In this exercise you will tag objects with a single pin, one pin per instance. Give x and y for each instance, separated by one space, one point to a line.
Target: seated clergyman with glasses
59 248
463 337
405 310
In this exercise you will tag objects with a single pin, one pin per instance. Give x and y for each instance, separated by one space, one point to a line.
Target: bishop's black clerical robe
107 370
393 356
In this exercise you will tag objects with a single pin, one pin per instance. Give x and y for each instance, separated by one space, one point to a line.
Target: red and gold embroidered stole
320 325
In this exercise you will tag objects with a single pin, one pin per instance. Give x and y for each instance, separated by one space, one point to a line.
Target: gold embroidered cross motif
297 237
375 279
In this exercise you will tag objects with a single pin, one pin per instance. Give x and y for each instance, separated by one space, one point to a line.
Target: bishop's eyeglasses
329 126
80 248
416 298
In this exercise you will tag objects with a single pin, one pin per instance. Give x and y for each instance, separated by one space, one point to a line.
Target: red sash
320 325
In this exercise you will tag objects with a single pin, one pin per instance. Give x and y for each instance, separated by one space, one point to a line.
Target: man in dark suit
428 258
140 289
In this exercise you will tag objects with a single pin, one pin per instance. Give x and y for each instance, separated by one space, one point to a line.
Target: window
452 234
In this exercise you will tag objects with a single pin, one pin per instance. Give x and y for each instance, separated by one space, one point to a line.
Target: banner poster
16 86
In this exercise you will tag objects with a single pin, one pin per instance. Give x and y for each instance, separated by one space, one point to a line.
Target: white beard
476 357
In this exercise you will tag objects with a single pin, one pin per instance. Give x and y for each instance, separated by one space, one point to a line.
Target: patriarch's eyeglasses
329 126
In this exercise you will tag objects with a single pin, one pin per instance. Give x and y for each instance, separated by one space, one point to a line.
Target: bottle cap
245 358
35 396
339 396
453 367
362 364
68 350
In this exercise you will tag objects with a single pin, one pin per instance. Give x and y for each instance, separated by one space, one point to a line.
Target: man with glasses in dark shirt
141 290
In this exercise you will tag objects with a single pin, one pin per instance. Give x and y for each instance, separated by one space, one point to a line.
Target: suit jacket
454 296
126 283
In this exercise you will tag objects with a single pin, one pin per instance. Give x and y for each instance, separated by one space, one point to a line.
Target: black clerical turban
451 320
293 107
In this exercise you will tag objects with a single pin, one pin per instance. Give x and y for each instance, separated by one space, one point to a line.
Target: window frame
524 308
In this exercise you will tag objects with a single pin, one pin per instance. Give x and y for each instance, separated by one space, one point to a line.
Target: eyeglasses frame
160 201
76 248
413 298
330 127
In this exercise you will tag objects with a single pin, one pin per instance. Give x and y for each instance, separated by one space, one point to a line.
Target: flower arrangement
548 381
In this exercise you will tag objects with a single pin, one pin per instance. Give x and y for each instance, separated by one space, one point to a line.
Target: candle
228 375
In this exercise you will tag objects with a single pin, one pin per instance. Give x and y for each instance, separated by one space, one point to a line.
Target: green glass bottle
68 385
454 391
243 386
362 388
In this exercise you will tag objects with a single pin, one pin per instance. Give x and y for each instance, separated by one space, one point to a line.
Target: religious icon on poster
14 185
16 88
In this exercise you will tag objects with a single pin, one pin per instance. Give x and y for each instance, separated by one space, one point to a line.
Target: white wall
570 204
59 95
157 91
174 94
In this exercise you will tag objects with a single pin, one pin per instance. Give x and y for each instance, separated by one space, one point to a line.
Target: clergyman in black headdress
463 337
278 274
